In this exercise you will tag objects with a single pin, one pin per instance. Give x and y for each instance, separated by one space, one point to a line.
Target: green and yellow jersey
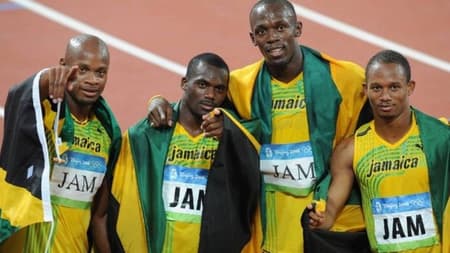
395 187
287 165
184 188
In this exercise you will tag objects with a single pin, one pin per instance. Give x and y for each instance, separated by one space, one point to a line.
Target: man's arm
159 112
342 177
98 219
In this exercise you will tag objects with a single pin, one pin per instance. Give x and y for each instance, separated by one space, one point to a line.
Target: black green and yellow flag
27 149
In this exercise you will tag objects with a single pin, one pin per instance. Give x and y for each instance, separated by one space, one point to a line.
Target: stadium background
151 41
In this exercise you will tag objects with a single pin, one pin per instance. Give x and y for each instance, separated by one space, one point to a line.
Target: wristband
150 100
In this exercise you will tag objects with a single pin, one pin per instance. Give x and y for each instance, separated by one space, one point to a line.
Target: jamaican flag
435 138
137 214
24 161
27 149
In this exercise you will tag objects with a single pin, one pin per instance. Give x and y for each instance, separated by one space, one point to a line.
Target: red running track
177 30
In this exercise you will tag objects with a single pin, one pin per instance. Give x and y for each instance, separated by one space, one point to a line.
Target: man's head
275 29
205 85
388 84
91 57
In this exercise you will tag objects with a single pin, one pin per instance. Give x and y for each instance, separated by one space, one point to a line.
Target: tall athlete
307 102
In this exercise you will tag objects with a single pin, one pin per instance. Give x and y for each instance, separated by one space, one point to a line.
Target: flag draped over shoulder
24 161
232 191
334 99
26 152
435 138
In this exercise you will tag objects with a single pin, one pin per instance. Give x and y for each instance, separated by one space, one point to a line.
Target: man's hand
319 219
55 80
212 124
159 112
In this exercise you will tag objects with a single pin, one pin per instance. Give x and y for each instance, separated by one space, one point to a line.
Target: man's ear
365 89
62 62
252 38
298 29
183 83
411 87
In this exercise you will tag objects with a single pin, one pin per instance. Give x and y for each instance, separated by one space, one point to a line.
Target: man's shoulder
249 128
241 85
342 71
345 65
430 121
247 69
24 87
341 64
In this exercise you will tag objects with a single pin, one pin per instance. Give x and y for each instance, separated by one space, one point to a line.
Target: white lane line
370 38
180 69
9 6
111 40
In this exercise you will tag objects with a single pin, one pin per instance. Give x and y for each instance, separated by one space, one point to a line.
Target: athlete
60 143
401 161
307 102
177 190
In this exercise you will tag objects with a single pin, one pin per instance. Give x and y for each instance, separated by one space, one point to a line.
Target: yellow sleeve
240 88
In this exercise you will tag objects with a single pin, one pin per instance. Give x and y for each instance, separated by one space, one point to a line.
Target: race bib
184 191
404 222
288 168
75 182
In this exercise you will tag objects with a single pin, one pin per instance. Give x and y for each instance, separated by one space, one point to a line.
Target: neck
189 121
80 113
393 130
289 71
80 121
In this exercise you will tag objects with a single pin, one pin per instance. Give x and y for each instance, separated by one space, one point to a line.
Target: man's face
388 90
275 30
205 88
90 78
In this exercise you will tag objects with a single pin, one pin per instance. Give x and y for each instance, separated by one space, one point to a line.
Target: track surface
151 41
